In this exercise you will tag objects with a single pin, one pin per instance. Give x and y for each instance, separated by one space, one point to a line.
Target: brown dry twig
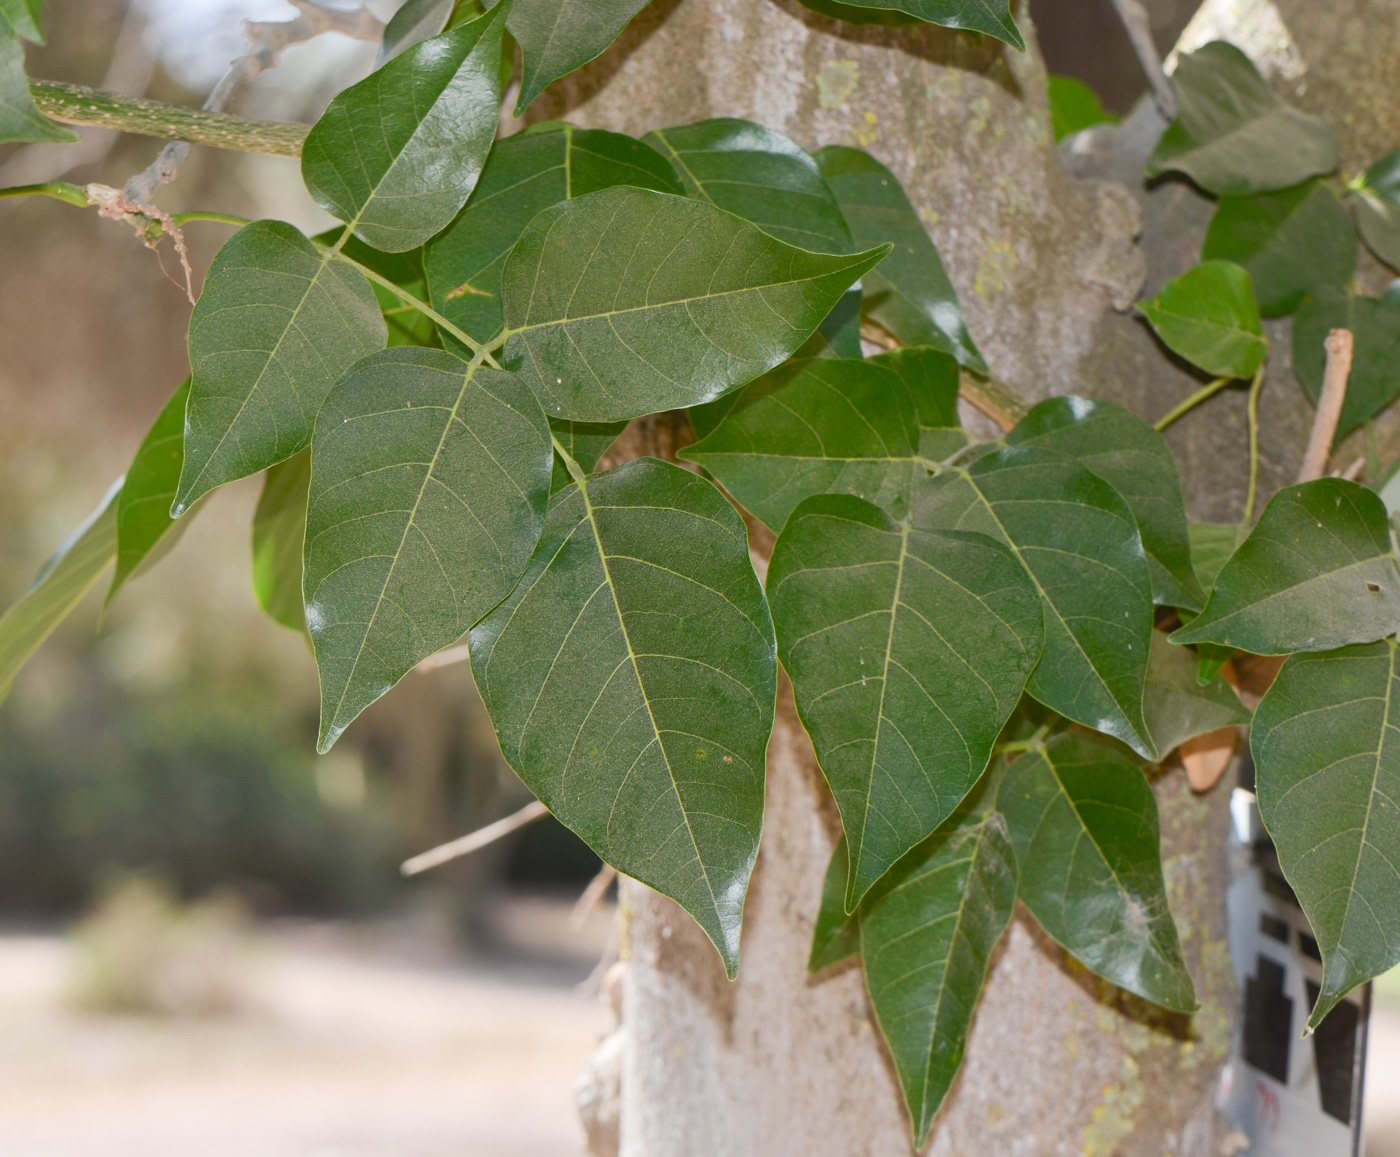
1339 346
115 205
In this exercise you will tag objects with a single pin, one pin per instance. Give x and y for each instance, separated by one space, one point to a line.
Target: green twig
574 469
1191 403
1254 389
61 190
182 219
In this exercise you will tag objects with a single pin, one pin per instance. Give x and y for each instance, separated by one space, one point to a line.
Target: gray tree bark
1044 252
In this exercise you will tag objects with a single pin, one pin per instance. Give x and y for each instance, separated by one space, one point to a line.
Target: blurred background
205 943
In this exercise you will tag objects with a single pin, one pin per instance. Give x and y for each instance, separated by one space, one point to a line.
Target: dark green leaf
908 650
1177 706
632 679
558 36
1291 243
416 21
627 302
821 426
932 379
1327 771
586 442
1208 315
429 481
407 326
1232 135
1377 205
926 940
839 335
1316 573
1212 544
24 18
525 174
1084 823
1077 538
836 935
72 569
1074 106
759 175
279 538
990 16
144 525
20 120
1375 364
277 324
910 294
397 155
853 15
1135 460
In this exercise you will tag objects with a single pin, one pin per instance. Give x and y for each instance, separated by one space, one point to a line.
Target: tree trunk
1043 254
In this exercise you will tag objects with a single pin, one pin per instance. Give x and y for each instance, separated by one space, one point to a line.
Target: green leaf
1077 538
1074 106
632 678
1375 364
1291 243
759 175
1212 544
908 650
910 294
1327 771
1178 707
586 442
852 15
820 426
1136 461
1084 823
279 538
1208 315
24 18
627 302
990 16
932 379
277 324
1377 208
20 120
145 530
926 940
558 36
1232 135
429 481
839 335
1316 573
524 175
416 21
69 573
836 934
397 155
407 326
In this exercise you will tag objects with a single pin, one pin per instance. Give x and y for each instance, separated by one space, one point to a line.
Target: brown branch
475 841
1339 346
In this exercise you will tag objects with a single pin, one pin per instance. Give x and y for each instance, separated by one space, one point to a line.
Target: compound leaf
1315 574
429 481
1208 315
279 539
627 302
1374 322
1084 823
632 677
558 36
836 933
1377 208
1177 706
1327 770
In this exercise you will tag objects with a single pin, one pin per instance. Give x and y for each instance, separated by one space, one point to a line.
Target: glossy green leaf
145 530
416 21
632 677
820 426
1232 135
1177 706
1208 315
1327 772
586 442
1084 823
524 175
909 294
908 650
558 36
407 326
68 575
20 120
277 324
926 940
397 155
1077 538
932 379
836 934
1135 460
429 480
1074 106
1212 544
24 18
1316 573
1375 363
759 175
990 16
627 302
1291 243
279 539
1377 208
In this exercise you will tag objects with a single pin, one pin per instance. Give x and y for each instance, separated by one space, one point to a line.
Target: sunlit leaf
1327 771
1374 323
1084 823
279 538
632 676
836 934
1074 106
627 302
429 480
1208 315
558 36
1177 706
